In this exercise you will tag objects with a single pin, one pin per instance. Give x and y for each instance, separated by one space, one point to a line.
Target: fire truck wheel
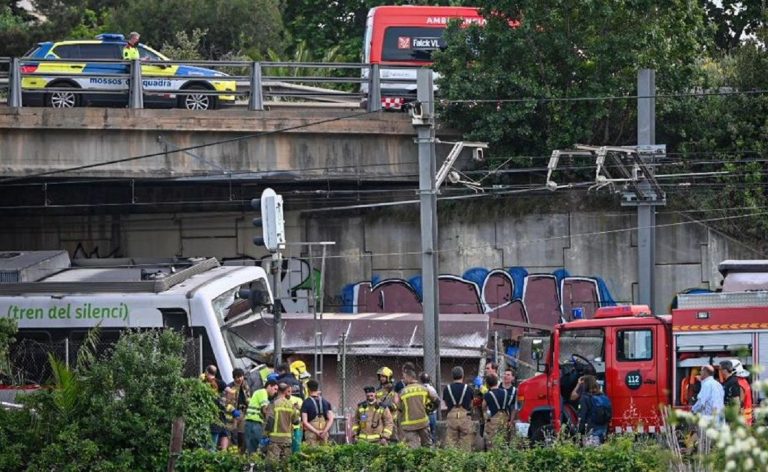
542 432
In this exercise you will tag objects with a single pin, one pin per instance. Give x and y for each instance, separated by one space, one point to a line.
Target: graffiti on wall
508 294
294 289
80 252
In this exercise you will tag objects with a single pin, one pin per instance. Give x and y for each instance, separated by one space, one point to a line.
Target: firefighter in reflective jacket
299 370
372 422
412 408
496 402
386 396
745 389
281 419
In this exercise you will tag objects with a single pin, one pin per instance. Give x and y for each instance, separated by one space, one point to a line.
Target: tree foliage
564 49
7 332
250 26
726 132
113 412
734 20
324 25
233 26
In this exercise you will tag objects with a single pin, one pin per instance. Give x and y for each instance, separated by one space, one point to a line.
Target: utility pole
423 121
277 310
646 207
633 168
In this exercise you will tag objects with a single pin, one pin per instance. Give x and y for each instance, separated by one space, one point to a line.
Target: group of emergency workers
289 409
275 419
403 411
709 389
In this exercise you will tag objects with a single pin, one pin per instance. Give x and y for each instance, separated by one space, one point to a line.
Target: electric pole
424 122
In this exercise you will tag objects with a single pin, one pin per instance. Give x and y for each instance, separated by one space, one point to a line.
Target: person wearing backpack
594 412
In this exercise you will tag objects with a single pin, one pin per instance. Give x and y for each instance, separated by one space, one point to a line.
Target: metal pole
200 352
136 94
313 309
423 121
256 101
277 311
646 211
322 304
374 88
66 352
14 84
343 355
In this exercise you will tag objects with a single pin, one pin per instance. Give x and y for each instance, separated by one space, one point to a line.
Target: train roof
47 272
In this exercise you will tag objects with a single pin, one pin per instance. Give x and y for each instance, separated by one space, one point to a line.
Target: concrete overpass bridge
61 159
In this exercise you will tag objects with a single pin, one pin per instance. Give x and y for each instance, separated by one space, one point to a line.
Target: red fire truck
645 361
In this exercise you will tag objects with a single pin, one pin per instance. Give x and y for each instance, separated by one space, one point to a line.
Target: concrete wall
305 143
385 243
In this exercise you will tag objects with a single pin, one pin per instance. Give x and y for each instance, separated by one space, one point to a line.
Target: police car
167 81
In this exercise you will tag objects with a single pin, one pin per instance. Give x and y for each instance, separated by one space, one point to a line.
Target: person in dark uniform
496 402
457 397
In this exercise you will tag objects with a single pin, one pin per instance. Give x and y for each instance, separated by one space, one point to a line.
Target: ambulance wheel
62 99
197 101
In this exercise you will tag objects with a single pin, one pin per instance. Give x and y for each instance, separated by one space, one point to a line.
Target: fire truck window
635 345
587 343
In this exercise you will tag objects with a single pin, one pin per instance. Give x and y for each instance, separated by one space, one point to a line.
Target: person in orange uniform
742 376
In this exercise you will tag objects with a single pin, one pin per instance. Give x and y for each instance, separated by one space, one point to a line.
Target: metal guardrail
258 85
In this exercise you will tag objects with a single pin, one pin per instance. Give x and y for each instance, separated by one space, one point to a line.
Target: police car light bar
110 37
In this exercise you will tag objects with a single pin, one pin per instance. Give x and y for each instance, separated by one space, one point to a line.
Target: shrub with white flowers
726 443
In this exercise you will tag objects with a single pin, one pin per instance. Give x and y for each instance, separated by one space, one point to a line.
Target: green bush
620 454
112 413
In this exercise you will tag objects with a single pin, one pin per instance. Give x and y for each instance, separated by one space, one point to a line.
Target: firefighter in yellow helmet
386 385
386 396
299 370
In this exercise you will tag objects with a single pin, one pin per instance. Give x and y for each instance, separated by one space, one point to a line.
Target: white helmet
739 369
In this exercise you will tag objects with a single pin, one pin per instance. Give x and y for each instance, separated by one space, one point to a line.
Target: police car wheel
62 99
197 101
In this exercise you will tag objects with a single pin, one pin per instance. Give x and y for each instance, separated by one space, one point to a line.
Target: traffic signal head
271 220
258 298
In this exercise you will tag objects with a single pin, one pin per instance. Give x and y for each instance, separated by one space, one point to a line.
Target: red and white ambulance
403 38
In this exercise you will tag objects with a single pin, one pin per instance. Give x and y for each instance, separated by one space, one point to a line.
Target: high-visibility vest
284 417
259 399
747 406
130 52
372 422
413 407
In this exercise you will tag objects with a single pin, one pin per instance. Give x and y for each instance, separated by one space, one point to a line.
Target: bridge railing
252 84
